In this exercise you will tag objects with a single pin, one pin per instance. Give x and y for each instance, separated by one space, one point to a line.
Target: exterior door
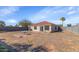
41 28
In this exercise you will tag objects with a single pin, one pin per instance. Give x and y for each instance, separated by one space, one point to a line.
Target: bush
52 31
3 49
1 31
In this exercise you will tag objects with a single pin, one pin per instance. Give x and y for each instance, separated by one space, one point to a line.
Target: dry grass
57 41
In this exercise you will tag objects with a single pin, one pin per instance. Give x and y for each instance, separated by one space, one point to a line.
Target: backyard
57 41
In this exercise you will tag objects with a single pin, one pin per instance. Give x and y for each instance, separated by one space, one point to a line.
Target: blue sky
13 14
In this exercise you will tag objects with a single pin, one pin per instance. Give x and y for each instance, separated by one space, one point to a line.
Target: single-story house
45 26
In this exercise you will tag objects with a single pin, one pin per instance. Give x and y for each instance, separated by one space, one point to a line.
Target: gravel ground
57 41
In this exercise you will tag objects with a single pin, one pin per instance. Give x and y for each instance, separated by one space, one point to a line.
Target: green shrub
3 48
1 31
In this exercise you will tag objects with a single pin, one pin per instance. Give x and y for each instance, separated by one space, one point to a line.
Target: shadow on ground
4 47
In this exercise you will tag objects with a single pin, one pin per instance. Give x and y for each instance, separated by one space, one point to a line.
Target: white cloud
72 12
46 13
72 20
11 21
56 21
59 11
8 10
71 8
41 14
49 12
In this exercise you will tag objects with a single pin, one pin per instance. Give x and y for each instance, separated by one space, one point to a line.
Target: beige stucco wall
38 29
47 30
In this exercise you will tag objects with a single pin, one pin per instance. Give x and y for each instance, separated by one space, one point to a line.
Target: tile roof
43 23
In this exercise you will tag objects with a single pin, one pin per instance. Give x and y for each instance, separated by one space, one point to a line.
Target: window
35 27
46 27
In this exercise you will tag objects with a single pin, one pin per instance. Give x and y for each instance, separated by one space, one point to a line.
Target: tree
16 25
2 24
25 23
10 26
62 19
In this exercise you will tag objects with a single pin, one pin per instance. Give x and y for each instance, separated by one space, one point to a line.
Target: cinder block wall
74 29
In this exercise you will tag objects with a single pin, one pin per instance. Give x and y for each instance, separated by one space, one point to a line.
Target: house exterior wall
47 30
51 28
38 28
54 28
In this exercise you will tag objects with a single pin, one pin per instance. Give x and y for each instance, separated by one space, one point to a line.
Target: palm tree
62 19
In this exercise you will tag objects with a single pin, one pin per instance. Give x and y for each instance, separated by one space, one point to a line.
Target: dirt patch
57 41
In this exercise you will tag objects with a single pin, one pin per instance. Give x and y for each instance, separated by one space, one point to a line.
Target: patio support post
43 28
49 28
